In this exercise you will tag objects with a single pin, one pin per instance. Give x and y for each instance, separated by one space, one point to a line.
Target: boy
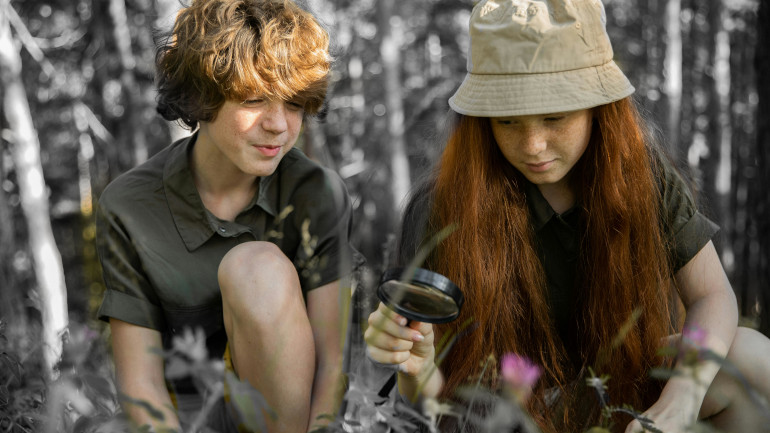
232 229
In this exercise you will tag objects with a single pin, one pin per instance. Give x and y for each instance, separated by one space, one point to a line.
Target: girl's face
544 147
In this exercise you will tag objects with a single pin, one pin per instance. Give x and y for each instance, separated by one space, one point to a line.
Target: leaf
646 423
597 430
249 403
11 365
114 424
177 368
668 351
155 413
664 373
83 424
101 386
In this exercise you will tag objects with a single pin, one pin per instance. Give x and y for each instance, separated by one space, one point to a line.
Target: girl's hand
675 411
390 340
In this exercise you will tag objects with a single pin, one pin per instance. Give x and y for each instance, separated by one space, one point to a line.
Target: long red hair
491 255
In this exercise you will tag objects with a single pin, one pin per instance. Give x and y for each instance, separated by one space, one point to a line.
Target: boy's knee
257 275
252 257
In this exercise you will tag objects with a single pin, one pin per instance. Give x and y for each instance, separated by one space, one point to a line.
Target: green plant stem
473 397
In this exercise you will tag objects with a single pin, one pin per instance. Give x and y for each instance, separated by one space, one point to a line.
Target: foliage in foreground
83 398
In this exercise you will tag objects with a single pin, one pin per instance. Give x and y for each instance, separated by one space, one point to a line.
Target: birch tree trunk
391 61
11 296
166 11
722 178
25 152
672 69
745 173
122 35
761 198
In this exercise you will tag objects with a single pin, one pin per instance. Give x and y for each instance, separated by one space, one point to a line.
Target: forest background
79 109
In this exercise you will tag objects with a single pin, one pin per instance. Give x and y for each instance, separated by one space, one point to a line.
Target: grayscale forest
78 109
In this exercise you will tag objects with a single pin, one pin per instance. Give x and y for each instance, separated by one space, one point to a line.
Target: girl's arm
140 374
325 308
710 305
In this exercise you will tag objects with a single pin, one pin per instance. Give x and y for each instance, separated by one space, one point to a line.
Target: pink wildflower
519 373
695 335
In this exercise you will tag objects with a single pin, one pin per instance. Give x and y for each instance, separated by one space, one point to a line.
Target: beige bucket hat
538 57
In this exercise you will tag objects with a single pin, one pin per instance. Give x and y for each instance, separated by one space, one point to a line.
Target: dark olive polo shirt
160 247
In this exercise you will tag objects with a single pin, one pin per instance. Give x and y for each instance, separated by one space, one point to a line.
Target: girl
570 224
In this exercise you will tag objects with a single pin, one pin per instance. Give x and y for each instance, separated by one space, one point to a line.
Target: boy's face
253 135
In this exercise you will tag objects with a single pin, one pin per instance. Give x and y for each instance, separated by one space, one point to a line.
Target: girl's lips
540 167
269 150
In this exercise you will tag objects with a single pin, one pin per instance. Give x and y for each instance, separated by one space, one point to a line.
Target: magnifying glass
420 295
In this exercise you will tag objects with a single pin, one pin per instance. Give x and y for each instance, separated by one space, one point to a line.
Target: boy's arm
327 308
140 374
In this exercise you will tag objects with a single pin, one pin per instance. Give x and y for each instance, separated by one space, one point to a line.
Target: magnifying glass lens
425 304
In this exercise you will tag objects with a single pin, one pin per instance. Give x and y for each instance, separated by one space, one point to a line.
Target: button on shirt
160 247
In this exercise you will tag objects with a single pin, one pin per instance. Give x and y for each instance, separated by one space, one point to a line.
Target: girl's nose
534 141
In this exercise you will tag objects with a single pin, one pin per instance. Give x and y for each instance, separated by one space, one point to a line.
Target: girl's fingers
383 340
386 356
422 327
392 315
384 320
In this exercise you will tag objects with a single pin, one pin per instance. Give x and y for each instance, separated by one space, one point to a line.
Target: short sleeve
129 295
324 218
686 228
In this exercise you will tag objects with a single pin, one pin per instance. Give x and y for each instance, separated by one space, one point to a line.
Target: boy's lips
268 150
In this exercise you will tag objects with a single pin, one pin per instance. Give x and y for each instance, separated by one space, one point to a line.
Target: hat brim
504 95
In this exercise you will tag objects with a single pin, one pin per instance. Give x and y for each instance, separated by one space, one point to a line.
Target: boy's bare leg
270 338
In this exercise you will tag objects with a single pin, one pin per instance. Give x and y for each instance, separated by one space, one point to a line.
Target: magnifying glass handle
385 390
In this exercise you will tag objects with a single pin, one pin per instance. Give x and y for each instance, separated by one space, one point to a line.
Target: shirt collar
541 211
192 220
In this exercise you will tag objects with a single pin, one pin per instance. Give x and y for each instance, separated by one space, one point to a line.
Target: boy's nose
274 117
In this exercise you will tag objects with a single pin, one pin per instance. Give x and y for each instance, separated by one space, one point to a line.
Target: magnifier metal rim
426 278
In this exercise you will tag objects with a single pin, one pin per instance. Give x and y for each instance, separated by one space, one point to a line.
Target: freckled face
253 135
544 147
